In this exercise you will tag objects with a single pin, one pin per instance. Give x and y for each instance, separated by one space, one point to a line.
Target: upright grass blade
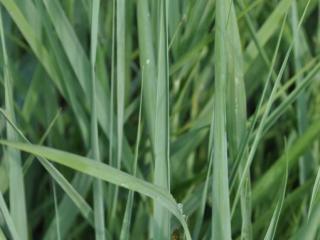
73 49
99 221
69 83
204 118
120 86
199 221
221 219
125 230
8 219
161 132
245 142
120 66
81 66
236 115
147 63
57 216
276 214
315 194
305 162
112 160
64 54
106 173
68 211
13 158
268 108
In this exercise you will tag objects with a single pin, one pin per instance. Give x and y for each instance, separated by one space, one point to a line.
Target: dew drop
148 61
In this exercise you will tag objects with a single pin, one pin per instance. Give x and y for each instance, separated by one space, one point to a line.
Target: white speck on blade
180 206
148 61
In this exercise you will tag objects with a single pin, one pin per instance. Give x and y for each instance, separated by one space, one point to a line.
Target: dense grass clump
167 119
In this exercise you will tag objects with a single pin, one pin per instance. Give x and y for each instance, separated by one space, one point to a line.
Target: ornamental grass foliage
160 119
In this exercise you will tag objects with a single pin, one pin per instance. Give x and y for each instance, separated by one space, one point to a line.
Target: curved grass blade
106 173
82 205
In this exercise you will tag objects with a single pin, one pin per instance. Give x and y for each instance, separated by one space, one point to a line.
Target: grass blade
57 216
97 185
84 208
236 115
268 108
16 181
147 63
112 160
106 173
221 219
276 214
161 131
120 86
260 189
266 31
305 162
128 212
8 219
314 195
